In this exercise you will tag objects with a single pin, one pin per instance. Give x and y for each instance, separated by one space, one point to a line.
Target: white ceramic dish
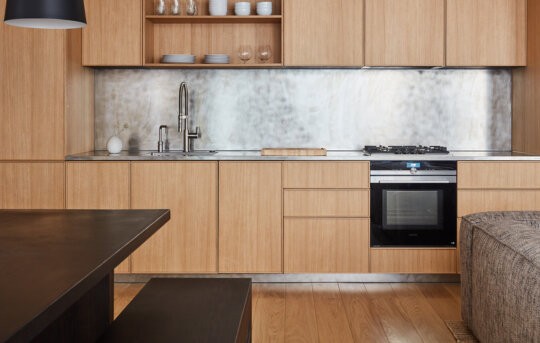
242 8
178 58
264 8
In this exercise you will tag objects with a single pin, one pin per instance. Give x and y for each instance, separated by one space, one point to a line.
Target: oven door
413 214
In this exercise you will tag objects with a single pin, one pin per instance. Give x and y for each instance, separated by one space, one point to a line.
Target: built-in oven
413 204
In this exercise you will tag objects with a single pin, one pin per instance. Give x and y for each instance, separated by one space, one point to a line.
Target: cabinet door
326 245
31 185
404 32
486 32
250 233
188 242
324 33
98 185
31 93
113 36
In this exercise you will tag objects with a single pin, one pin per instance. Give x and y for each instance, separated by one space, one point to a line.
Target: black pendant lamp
46 14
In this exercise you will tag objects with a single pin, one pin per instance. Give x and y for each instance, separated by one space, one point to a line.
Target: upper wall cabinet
486 32
405 32
46 97
113 36
324 33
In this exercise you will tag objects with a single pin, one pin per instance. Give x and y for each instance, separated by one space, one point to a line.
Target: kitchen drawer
326 245
326 175
414 260
498 175
326 203
474 201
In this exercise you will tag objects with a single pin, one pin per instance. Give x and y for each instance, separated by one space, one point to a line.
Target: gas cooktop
406 149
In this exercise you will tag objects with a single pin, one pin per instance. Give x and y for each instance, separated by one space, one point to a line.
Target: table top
49 259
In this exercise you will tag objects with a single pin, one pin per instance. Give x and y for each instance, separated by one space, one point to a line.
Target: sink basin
181 153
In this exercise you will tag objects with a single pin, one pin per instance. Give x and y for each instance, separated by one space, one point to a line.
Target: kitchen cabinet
99 185
46 95
113 36
326 203
405 32
31 185
326 245
188 242
250 217
498 175
413 260
486 33
324 33
326 175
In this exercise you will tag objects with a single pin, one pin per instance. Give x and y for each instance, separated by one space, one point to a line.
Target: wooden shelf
208 19
214 66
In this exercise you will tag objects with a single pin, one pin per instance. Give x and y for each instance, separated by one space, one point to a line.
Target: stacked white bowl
217 59
218 7
177 58
242 8
264 8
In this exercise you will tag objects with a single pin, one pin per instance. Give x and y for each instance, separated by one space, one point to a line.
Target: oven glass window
412 209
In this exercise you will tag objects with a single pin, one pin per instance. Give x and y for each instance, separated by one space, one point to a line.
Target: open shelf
214 66
205 34
208 19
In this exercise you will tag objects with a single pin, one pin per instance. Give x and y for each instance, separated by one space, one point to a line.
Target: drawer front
439 261
326 203
498 175
326 175
326 245
474 201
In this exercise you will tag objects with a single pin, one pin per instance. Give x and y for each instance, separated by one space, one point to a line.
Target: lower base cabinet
326 245
188 242
413 260
32 185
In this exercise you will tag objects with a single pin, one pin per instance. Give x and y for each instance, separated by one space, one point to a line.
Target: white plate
178 59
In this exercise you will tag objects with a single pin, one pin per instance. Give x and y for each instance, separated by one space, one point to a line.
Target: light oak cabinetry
421 260
113 36
99 185
250 217
326 209
188 242
324 33
45 94
498 186
486 33
326 245
405 32
31 185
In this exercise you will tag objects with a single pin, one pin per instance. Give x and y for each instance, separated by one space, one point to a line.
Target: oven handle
414 179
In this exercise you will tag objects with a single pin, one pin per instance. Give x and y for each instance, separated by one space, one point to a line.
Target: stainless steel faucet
160 144
183 117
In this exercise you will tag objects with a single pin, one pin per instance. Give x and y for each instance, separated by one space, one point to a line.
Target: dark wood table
56 270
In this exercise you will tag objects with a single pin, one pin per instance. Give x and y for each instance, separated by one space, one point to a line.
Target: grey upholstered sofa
500 275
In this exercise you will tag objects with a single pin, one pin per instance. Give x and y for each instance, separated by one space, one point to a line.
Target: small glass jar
161 7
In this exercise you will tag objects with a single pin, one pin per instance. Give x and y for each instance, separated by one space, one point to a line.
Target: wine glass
161 7
245 53
192 7
264 53
175 7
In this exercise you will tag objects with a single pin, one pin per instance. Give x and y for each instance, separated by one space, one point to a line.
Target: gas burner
406 149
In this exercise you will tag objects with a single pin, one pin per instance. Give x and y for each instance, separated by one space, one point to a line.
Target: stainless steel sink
181 153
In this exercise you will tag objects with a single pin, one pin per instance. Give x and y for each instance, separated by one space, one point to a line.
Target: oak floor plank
395 321
364 322
424 318
269 314
454 289
300 318
123 294
332 323
442 301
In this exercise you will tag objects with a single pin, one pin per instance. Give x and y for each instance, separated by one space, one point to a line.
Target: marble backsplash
339 109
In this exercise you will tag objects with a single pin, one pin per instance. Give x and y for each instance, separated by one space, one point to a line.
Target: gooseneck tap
183 116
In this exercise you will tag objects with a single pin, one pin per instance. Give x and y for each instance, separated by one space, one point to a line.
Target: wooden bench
186 310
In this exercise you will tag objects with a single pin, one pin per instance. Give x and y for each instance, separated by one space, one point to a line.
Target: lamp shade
46 14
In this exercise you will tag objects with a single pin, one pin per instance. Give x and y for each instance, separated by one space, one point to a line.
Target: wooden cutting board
293 152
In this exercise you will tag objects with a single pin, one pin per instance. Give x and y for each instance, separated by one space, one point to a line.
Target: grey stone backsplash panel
338 109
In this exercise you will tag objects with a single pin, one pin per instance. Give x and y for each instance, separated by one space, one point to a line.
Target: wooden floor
345 312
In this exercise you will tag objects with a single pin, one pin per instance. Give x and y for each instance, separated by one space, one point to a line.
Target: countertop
49 259
333 155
